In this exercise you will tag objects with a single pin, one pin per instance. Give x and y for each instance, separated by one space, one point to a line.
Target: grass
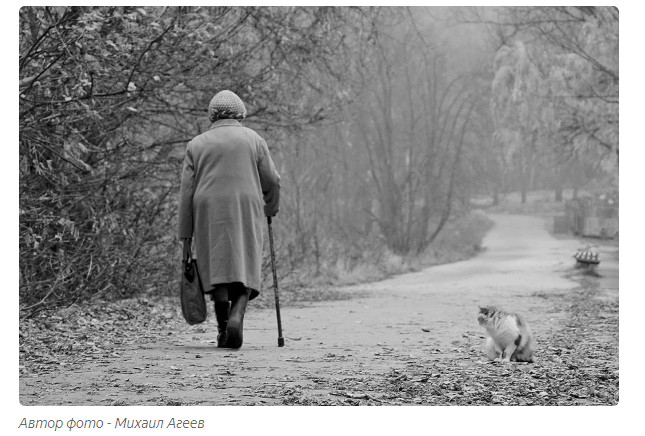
459 240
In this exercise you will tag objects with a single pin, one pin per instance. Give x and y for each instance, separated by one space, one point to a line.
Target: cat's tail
525 354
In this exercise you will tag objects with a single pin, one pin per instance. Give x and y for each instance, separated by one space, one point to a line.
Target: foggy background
387 125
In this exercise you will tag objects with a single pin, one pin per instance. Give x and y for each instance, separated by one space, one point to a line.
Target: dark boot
236 318
222 314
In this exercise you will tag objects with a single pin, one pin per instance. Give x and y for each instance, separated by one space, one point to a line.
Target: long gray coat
228 176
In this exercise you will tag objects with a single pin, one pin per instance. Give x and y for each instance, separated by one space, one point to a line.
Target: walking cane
275 285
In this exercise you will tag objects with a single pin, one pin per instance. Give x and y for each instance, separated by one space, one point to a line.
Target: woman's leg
239 299
219 294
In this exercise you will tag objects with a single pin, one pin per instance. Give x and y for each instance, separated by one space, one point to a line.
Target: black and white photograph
300 205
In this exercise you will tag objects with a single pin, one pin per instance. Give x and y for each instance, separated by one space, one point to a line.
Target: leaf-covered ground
85 333
412 340
578 364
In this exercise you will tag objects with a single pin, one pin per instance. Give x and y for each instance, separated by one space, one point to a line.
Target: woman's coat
228 177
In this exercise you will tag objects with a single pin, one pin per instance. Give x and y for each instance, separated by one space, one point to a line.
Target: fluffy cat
509 335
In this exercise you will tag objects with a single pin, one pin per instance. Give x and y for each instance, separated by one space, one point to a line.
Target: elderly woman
228 176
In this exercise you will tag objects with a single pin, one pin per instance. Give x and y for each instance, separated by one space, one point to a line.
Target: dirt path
419 317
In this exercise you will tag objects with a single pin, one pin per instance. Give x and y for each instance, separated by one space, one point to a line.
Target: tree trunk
523 181
558 193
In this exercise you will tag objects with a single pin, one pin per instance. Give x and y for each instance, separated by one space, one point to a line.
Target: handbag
193 303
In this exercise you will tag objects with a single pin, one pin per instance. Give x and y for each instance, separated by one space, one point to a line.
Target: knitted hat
226 104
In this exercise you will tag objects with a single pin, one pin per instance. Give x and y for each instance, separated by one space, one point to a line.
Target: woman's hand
186 252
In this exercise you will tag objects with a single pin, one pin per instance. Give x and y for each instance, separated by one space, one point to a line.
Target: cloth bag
193 303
